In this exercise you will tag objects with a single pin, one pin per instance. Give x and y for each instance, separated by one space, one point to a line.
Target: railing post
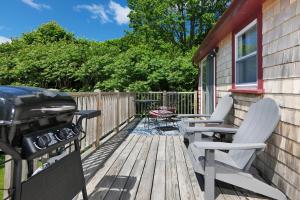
8 168
133 97
164 98
195 102
128 106
118 111
136 108
99 119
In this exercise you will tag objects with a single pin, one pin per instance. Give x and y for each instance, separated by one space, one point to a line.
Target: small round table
147 105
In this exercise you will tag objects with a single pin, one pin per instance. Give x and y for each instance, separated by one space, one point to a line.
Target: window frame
241 32
252 88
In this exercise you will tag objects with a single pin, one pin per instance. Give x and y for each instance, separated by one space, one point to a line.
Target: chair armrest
211 129
199 121
228 146
192 115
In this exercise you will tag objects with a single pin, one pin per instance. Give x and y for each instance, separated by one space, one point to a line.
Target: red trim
247 91
260 80
215 80
257 15
233 61
198 90
238 12
198 102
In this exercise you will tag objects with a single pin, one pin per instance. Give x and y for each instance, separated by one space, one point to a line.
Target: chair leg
144 117
186 142
210 175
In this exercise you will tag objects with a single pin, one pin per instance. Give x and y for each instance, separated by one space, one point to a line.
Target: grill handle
88 114
55 109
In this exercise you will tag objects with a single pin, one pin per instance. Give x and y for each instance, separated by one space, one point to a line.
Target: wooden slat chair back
257 127
217 117
223 108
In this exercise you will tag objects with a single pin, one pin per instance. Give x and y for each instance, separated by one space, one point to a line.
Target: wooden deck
148 167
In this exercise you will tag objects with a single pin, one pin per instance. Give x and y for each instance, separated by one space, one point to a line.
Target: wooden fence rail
183 102
117 108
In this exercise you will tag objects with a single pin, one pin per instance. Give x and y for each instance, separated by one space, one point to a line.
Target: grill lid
24 104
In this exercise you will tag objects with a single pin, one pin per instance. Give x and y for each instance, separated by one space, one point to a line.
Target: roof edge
234 16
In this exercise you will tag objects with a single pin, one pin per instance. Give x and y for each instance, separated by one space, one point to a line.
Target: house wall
281 67
280 162
224 67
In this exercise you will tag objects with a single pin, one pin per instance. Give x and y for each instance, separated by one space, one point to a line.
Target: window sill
247 91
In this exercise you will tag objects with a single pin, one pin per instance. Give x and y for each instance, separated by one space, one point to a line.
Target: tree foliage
47 33
182 22
155 55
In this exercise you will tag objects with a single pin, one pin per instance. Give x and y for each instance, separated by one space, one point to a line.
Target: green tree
182 22
47 33
155 55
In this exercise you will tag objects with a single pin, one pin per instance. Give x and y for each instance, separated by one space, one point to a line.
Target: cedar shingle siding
280 162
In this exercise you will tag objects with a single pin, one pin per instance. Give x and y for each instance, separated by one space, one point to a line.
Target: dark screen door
208 85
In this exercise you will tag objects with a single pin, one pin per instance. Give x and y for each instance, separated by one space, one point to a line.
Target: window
246 67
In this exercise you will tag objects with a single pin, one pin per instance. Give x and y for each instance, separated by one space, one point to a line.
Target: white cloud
120 13
37 6
114 10
4 40
97 11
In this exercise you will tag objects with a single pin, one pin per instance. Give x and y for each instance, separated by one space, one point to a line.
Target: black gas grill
35 122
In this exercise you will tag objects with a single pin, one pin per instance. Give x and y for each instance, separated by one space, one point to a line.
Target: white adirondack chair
233 167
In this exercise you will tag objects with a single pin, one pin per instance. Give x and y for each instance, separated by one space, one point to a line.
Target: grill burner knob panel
43 141
39 143
63 134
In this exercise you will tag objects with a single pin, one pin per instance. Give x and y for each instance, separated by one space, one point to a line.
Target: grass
1 181
2 158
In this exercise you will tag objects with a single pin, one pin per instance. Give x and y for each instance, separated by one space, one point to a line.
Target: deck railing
117 108
183 102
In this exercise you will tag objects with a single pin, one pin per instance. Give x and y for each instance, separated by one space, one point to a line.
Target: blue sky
92 19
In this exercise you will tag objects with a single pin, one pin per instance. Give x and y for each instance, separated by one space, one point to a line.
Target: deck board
131 186
159 181
145 186
153 167
195 184
101 173
172 188
119 184
113 173
184 181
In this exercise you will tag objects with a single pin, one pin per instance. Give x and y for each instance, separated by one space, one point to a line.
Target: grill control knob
43 141
62 134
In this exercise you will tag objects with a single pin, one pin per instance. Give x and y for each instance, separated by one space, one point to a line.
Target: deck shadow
112 187
157 127
96 160
228 189
167 128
